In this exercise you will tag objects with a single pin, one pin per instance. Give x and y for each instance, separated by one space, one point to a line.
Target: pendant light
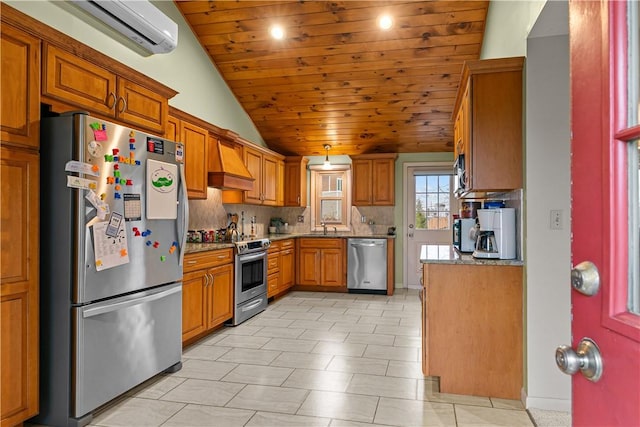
327 164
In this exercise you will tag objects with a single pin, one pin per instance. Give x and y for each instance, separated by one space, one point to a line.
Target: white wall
548 175
202 92
547 185
508 25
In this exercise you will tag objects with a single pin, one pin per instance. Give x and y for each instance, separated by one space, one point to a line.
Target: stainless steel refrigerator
114 215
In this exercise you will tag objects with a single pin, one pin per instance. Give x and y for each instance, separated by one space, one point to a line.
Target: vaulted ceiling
336 78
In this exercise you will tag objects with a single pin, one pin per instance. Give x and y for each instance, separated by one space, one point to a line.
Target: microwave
459 176
462 228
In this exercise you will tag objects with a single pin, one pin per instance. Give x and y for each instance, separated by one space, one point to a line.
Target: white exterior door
428 210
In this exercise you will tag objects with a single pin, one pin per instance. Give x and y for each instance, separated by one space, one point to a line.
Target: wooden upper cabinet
489 104
267 169
19 284
253 162
196 142
374 179
141 106
172 128
270 181
76 81
280 184
20 82
295 181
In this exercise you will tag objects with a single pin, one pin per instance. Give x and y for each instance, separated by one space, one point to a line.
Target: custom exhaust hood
226 170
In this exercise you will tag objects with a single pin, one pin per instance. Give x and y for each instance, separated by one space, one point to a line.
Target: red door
604 212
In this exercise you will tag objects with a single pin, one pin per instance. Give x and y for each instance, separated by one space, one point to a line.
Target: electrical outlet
555 219
300 218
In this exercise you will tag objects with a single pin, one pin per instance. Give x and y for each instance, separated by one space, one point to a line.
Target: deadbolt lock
585 278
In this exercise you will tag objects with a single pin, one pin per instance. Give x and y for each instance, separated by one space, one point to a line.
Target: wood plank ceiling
336 78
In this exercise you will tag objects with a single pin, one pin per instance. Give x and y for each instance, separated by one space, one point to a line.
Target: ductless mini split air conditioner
139 20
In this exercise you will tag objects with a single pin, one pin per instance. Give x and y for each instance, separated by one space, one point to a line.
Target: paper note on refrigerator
162 190
110 251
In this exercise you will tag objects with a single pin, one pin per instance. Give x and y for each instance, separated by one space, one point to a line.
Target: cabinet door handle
298 199
206 280
211 282
112 96
124 104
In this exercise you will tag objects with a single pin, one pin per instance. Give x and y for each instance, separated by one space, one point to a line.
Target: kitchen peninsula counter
448 254
472 323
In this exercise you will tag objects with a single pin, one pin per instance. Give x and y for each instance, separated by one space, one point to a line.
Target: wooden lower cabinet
19 282
207 293
194 297
220 296
321 262
280 267
472 328
287 266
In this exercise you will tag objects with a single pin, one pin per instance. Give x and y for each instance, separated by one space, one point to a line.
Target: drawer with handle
200 260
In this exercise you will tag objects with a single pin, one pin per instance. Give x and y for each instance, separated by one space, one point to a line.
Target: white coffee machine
496 237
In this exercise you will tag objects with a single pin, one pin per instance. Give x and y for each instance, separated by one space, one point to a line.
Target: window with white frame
331 198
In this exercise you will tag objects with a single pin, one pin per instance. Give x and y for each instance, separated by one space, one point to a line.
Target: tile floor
310 359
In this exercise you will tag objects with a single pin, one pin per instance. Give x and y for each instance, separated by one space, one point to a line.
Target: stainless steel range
250 279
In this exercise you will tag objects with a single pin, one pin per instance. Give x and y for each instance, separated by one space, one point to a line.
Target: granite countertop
447 254
202 247
330 234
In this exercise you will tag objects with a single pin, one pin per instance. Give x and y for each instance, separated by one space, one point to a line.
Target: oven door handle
252 257
253 305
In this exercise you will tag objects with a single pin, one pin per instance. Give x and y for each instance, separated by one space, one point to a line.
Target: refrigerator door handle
183 214
108 308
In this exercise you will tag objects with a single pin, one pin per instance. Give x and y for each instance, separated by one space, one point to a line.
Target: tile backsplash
212 214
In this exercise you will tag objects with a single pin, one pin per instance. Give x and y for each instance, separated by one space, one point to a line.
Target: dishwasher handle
366 245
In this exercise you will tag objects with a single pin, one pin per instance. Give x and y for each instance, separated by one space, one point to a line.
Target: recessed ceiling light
277 32
385 22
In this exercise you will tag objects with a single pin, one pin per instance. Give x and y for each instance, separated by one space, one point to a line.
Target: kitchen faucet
324 228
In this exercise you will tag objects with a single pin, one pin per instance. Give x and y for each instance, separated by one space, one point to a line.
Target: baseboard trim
547 404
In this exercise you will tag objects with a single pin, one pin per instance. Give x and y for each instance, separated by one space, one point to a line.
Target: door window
625 306
633 118
433 196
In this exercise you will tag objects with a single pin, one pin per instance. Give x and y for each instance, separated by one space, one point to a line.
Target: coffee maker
496 236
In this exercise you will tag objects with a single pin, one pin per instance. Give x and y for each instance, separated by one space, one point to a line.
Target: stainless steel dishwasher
367 265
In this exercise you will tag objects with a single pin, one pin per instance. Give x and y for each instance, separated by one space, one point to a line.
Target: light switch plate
300 218
555 219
